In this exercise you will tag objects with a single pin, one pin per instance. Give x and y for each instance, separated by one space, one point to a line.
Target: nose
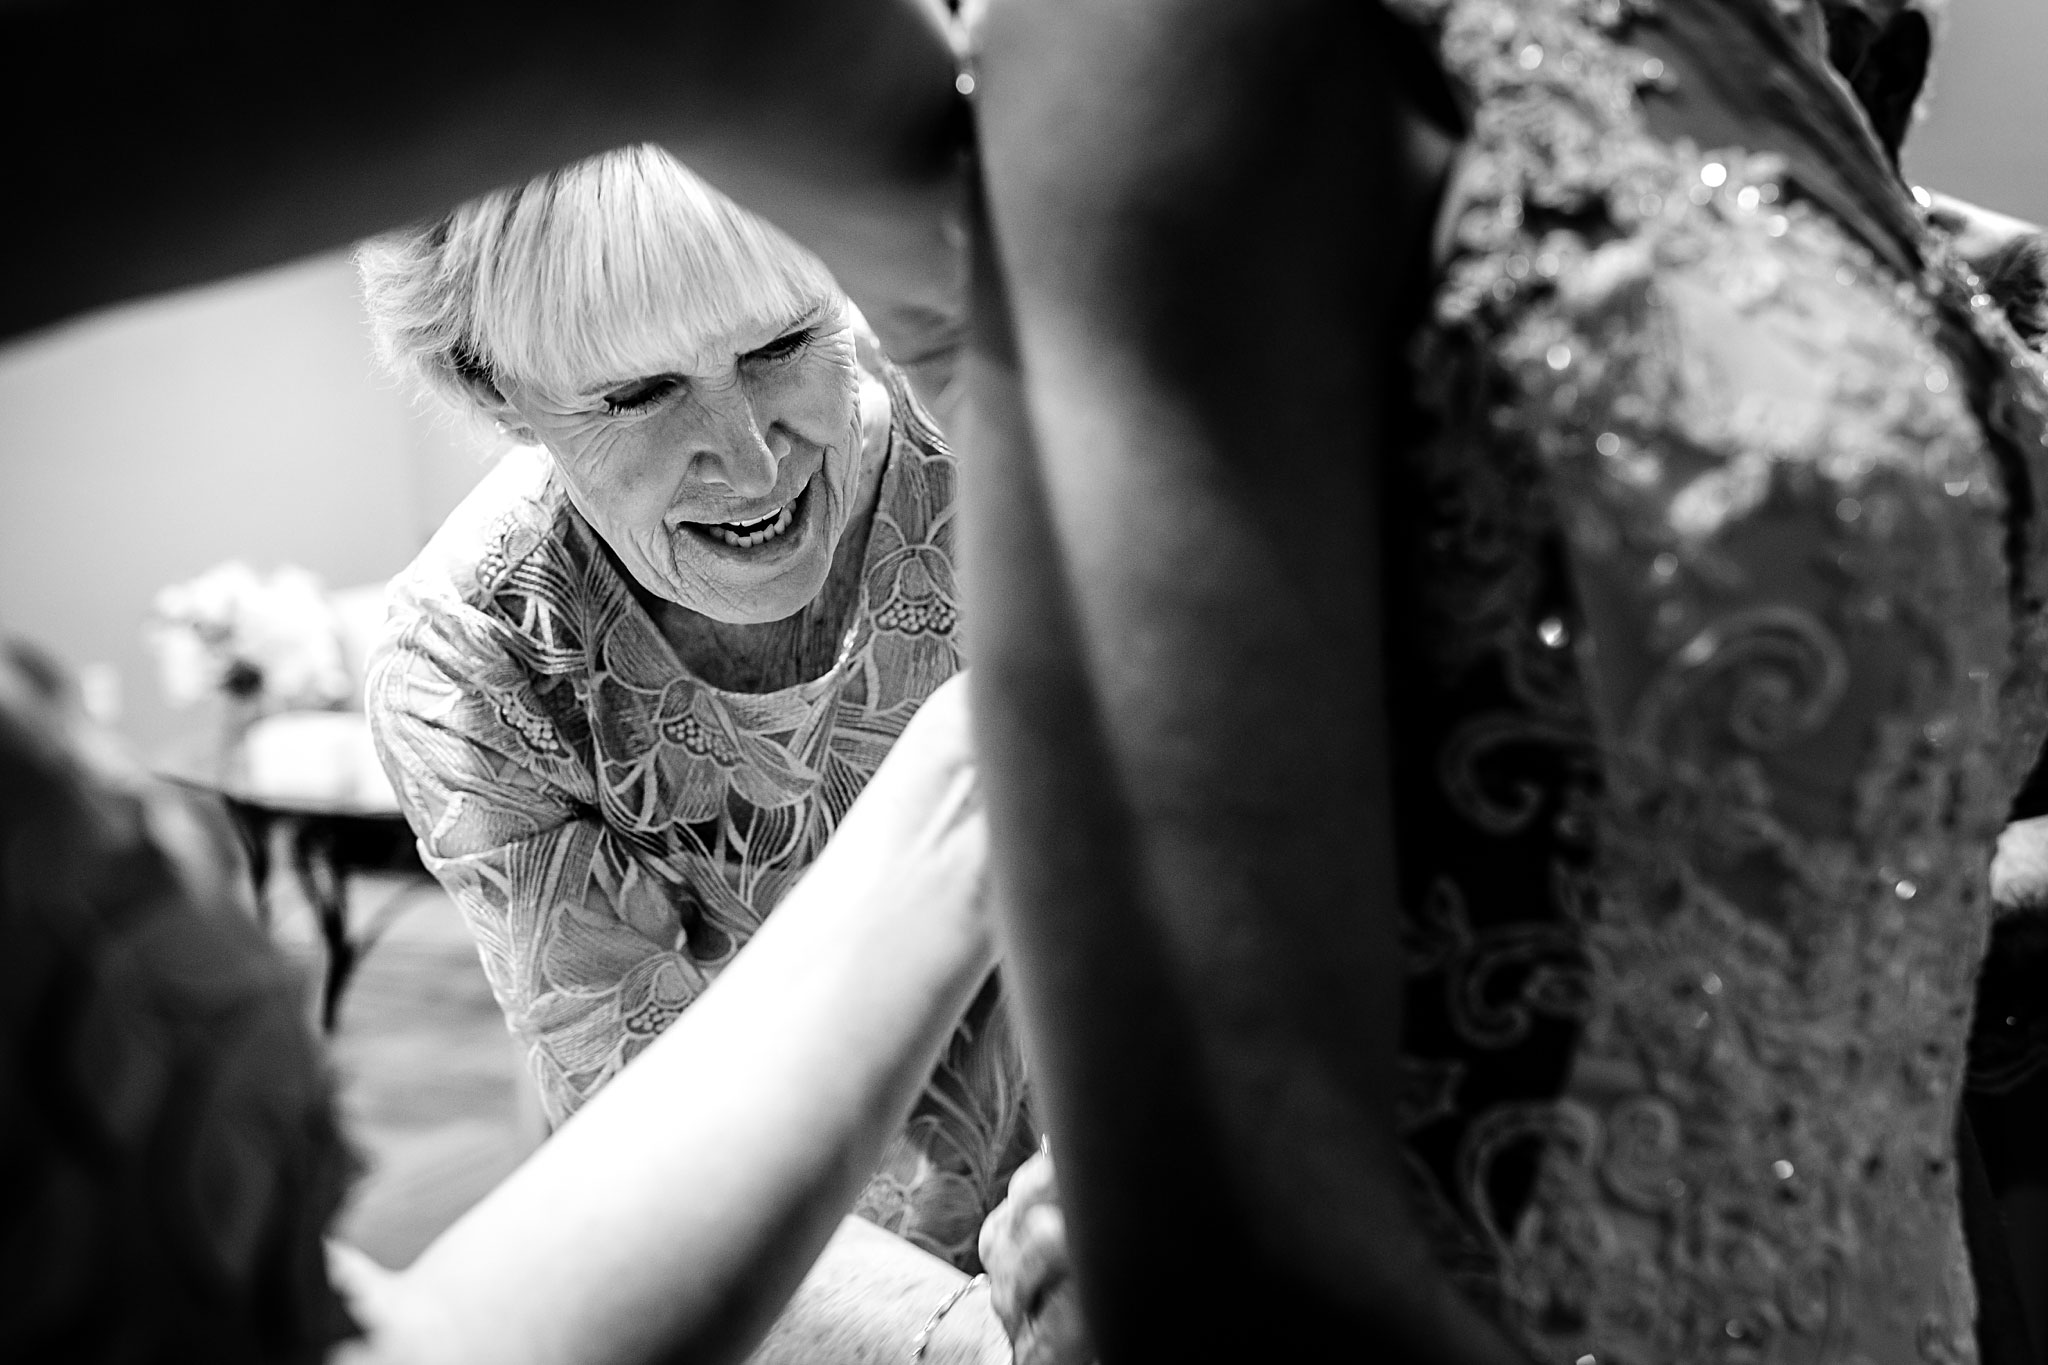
732 454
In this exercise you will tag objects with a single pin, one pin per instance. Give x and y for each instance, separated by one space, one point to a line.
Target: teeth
748 527
744 535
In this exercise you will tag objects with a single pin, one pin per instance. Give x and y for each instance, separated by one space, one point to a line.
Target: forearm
682 1205
160 147
865 1300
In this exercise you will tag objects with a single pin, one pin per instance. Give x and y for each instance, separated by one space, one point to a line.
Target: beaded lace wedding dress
1717 661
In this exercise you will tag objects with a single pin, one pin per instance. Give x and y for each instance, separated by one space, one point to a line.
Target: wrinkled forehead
596 283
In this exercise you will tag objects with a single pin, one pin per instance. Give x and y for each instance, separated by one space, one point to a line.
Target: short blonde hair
597 269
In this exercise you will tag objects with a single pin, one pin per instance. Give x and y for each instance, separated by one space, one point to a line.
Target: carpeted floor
433 1092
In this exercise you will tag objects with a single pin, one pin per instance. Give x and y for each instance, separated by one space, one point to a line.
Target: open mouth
745 535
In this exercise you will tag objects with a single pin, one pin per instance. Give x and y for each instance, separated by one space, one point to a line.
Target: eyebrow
807 318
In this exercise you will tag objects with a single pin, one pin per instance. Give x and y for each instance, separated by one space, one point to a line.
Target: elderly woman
629 690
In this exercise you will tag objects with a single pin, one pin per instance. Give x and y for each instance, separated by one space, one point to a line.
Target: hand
1031 1276
2010 254
917 837
395 1322
2019 870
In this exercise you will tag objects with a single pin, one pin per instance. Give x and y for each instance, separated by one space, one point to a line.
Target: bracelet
923 1339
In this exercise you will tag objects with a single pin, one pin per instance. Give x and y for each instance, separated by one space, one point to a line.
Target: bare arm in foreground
672 1218
161 146
1201 220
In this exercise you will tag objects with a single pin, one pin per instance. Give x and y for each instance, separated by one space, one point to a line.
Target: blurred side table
309 780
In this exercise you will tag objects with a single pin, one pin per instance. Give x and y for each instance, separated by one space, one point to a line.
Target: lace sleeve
579 935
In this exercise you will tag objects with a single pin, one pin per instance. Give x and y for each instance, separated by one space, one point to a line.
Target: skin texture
731 427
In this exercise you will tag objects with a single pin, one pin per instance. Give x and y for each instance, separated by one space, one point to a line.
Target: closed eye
784 346
640 394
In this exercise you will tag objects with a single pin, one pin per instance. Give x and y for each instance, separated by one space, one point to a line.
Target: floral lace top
614 830
1717 661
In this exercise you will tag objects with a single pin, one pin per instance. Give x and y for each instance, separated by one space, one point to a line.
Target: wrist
963 1330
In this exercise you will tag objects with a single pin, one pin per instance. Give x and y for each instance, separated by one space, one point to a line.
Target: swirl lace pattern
1718 664
614 830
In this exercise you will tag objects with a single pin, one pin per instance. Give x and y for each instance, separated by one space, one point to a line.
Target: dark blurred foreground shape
169 1156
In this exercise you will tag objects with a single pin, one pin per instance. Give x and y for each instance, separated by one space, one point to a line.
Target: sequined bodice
1710 707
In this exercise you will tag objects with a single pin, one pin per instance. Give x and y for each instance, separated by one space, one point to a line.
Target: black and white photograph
1024 682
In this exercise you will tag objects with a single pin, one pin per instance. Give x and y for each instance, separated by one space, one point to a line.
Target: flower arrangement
265 643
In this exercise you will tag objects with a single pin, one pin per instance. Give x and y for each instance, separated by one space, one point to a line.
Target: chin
777 600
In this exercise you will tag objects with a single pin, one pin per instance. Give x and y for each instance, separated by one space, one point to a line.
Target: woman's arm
676 1213
1203 213
159 146
578 929
866 1299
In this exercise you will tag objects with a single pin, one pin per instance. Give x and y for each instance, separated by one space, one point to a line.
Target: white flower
274 640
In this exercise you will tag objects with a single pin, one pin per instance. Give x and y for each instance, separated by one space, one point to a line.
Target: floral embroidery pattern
533 729
614 830
1711 690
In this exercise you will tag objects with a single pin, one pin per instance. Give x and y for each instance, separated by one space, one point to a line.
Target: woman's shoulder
509 577
515 513
479 627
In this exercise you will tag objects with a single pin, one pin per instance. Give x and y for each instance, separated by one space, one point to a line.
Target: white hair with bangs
610 268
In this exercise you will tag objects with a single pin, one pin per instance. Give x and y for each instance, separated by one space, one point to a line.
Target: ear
493 408
486 396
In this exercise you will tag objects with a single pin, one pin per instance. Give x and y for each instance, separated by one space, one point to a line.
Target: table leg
253 827
325 885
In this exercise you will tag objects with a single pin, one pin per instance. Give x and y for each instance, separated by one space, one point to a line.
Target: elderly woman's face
725 480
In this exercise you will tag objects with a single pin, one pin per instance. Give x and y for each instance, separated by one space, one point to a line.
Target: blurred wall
141 446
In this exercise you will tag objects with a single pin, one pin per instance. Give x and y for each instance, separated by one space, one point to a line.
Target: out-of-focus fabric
1717 658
